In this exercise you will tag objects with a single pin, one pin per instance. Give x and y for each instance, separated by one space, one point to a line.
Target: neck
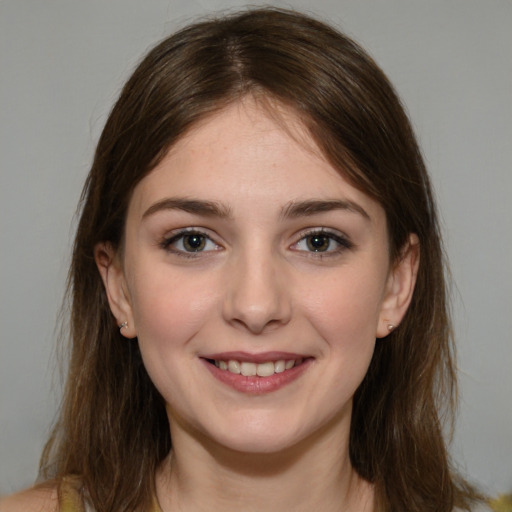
200 475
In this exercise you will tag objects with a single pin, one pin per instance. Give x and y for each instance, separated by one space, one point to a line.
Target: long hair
113 429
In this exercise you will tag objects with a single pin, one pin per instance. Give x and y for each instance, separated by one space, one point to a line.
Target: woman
259 316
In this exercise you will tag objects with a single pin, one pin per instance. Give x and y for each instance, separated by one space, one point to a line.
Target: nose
257 298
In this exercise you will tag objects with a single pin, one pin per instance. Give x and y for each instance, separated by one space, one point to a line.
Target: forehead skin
195 162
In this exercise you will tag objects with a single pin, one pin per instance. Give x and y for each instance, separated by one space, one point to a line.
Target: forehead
247 152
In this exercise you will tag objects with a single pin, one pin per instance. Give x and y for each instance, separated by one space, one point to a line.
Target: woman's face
247 252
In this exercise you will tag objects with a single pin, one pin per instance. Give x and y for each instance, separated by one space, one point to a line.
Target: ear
113 277
399 287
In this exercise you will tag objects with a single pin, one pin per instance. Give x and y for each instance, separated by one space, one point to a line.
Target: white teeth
279 366
234 366
265 369
248 369
262 369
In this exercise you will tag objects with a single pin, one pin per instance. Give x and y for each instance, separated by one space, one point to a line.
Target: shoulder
41 498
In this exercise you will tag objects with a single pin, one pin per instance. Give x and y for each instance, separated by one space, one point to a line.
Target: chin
259 434
257 447
261 443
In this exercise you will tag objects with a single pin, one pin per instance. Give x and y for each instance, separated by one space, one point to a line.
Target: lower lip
258 385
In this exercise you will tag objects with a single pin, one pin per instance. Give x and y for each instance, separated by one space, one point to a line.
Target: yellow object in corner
502 503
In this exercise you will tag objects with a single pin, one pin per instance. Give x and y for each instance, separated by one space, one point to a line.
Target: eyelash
343 243
167 242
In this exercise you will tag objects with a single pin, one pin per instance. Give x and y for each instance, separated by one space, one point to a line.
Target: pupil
318 243
194 243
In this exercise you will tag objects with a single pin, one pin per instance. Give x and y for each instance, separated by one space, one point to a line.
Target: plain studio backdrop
62 63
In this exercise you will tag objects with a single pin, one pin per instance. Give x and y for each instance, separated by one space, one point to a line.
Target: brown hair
113 429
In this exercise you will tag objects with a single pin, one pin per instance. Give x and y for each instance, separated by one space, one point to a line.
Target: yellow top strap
71 496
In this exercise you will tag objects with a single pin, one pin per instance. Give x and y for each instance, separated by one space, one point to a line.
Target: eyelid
343 241
174 236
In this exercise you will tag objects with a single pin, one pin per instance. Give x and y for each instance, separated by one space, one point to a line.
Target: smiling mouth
249 369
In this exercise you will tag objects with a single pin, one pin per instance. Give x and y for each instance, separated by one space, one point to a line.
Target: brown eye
194 242
189 242
318 242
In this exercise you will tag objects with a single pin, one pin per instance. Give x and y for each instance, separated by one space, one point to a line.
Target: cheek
169 308
168 312
345 308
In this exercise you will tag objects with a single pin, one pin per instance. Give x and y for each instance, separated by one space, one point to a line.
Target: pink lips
256 385
253 358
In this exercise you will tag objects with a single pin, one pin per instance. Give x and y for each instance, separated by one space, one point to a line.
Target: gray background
61 66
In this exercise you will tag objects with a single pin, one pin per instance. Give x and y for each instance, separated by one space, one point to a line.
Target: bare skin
305 478
243 243
236 186
37 499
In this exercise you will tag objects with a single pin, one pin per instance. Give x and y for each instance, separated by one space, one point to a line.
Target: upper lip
260 357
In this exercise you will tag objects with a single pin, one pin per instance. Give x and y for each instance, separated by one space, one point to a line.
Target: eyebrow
195 206
294 209
312 207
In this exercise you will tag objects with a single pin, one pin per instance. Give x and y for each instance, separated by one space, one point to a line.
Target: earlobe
112 275
400 288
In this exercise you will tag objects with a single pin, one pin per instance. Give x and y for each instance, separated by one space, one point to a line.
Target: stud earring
391 327
123 325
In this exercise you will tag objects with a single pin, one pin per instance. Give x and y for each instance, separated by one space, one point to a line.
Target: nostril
258 326
256 298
